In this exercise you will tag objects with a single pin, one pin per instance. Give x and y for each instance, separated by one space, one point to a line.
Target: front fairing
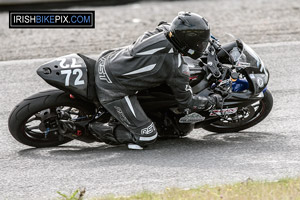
254 70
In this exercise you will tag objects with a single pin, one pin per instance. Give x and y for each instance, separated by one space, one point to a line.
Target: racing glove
217 100
200 103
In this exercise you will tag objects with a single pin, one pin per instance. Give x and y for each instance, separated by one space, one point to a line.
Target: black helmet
190 34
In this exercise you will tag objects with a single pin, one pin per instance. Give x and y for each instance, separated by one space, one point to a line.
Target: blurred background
120 22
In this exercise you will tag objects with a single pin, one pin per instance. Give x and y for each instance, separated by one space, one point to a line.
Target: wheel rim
255 111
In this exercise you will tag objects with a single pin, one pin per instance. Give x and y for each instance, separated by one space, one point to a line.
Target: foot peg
65 126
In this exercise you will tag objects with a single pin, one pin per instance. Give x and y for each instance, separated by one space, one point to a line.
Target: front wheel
34 121
247 118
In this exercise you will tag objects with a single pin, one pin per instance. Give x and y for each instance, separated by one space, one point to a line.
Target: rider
154 58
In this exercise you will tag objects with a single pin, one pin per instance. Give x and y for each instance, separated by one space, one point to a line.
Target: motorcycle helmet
189 33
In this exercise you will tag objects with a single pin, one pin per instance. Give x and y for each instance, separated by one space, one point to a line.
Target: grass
284 189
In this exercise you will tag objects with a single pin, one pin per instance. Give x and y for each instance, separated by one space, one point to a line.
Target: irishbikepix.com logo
52 19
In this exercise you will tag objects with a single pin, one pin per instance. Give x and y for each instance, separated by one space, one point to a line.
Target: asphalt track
268 151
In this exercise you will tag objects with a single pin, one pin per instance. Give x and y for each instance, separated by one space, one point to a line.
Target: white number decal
74 65
68 72
63 64
77 80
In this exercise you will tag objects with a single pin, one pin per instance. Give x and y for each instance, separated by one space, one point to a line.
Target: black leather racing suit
150 61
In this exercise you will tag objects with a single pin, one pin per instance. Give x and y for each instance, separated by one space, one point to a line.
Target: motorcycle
233 70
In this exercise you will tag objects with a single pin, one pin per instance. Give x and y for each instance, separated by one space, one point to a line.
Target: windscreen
250 58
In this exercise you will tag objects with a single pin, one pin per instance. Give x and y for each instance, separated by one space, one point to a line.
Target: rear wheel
34 121
245 118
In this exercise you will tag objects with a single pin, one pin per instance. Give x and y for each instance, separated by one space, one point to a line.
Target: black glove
200 103
214 100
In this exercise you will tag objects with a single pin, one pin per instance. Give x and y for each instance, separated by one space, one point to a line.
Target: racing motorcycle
233 70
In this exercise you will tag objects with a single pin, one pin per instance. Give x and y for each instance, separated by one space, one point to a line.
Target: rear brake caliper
48 121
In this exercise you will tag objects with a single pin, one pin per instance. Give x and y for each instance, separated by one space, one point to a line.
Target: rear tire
28 108
263 111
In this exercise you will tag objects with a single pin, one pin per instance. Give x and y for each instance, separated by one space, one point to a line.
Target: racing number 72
68 72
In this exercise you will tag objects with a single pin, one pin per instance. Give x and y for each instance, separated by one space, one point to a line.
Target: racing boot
124 136
114 135
104 133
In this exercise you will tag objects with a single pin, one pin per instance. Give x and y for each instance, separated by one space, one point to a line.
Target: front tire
37 109
260 114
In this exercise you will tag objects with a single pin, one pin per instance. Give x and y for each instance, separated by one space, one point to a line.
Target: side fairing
258 80
68 73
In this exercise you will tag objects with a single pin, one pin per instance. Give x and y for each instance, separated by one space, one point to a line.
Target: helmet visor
201 46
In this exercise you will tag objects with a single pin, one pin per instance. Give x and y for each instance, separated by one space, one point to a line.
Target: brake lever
224 87
216 45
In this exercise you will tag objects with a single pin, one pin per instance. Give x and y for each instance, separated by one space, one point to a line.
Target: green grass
284 189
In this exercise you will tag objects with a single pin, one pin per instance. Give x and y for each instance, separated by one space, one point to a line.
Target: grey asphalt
268 151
